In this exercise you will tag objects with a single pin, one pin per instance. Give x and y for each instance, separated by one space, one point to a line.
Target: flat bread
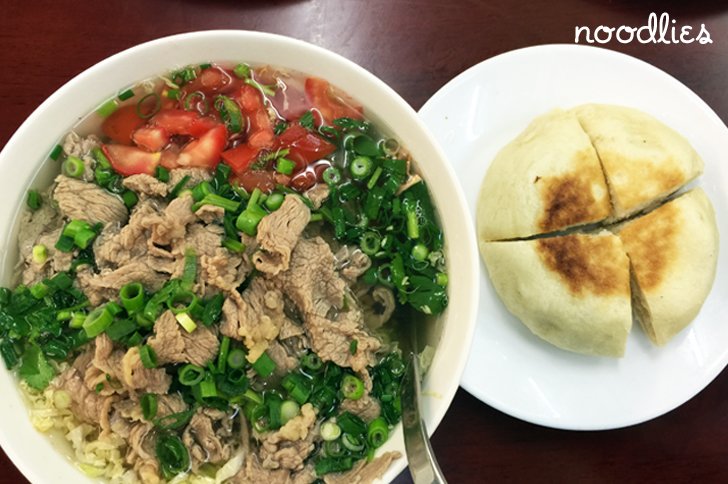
673 251
573 291
547 179
643 159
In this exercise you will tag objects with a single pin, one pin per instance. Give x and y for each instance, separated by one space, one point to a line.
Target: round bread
547 179
644 160
573 291
674 252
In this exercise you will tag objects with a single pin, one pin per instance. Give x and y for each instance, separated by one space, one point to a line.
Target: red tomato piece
240 157
252 179
321 96
153 138
130 160
213 80
120 125
205 151
179 121
304 146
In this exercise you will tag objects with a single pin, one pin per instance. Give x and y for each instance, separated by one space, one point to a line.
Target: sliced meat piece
204 239
207 437
367 408
363 471
136 377
331 339
56 261
80 147
172 224
210 213
105 285
318 195
278 234
141 454
116 247
255 473
290 446
173 344
351 262
86 404
79 200
196 175
284 361
144 184
255 317
223 270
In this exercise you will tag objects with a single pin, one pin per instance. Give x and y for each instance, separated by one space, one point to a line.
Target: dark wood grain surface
416 47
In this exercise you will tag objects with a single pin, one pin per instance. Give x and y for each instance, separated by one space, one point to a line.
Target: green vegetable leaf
307 121
36 370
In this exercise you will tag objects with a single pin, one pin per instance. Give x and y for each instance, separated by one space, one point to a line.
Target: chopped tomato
252 179
130 160
260 128
240 157
179 121
213 80
153 138
205 151
120 125
304 146
321 96
169 157
261 139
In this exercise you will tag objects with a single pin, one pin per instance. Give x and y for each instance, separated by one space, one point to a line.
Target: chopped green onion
141 112
289 409
333 448
197 101
230 114
370 243
413 227
200 191
266 90
179 186
375 177
39 290
190 375
97 321
65 244
148 402
307 120
135 339
298 387
130 198
420 252
183 302
132 297
127 94
361 167
77 320
264 365
351 424
441 279
365 146
189 272
378 432
55 152
172 93
120 328
390 146
352 442
162 174
353 346
83 238
40 254
100 157
75 226
233 245
223 354
218 201
213 309
186 322
107 108
331 176
114 308
172 455
73 166
249 219
207 387
330 431
316 217
148 356
311 361
34 200
352 387
274 201
174 421
242 71
285 166
236 359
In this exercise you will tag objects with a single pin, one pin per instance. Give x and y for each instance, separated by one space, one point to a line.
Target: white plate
482 109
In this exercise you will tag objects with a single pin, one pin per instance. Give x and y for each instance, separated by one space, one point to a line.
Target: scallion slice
73 166
236 358
132 297
34 200
97 321
107 108
378 432
264 365
190 375
148 356
352 387
148 402
126 94
186 322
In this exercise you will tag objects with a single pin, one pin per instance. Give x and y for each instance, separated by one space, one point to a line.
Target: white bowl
25 155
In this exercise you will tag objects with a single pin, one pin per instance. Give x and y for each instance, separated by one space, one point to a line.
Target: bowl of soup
212 250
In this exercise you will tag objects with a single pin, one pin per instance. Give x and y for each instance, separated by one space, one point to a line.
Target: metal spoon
422 463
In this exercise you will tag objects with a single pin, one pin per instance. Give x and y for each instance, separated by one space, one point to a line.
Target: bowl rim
463 290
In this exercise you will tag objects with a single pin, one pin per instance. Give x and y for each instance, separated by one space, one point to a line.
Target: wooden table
416 47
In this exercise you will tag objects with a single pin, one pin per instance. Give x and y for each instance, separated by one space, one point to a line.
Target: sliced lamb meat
255 317
210 213
172 224
363 471
318 292
255 473
318 195
141 454
116 247
352 262
223 270
136 377
173 344
56 261
284 361
79 200
204 239
208 436
196 175
278 234
289 446
105 285
86 404
367 408
144 184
